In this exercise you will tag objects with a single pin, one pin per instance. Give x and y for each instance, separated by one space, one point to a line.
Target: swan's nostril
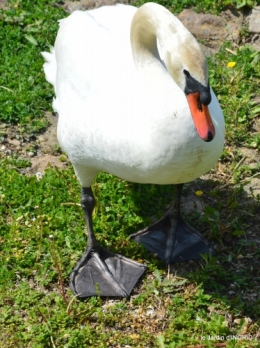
210 137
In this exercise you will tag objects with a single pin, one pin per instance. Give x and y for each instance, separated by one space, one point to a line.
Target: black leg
171 238
175 215
99 271
88 204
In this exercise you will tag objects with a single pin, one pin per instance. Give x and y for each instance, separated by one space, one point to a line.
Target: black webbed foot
173 240
101 272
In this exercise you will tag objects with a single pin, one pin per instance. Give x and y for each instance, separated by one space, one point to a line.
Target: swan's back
93 51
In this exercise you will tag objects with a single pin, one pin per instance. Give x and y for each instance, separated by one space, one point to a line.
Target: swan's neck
178 47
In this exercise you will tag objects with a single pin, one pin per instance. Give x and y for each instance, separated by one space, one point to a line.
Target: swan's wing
115 18
93 51
93 61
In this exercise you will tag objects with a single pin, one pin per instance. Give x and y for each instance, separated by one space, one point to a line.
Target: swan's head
189 70
199 97
157 35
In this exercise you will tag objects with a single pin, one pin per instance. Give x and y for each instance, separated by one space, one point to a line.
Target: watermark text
226 338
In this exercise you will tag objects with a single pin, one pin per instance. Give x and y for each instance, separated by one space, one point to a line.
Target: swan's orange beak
201 118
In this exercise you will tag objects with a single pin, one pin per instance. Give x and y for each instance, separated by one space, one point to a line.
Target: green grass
26 29
237 90
41 239
201 303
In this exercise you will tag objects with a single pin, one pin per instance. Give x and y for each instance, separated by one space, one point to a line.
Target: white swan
132 92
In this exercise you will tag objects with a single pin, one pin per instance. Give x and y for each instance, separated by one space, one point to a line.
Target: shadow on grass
229 217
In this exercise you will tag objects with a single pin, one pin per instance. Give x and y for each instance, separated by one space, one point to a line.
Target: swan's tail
50 70
50 66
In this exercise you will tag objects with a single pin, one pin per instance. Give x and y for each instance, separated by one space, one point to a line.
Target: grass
26 30
211 303
237 91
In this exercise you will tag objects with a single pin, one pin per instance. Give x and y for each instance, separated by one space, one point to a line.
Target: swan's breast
161 150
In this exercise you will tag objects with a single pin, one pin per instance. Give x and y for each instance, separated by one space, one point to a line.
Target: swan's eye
186 73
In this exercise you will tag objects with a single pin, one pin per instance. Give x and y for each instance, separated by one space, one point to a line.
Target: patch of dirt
42 150
3 4
213 30
83 5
